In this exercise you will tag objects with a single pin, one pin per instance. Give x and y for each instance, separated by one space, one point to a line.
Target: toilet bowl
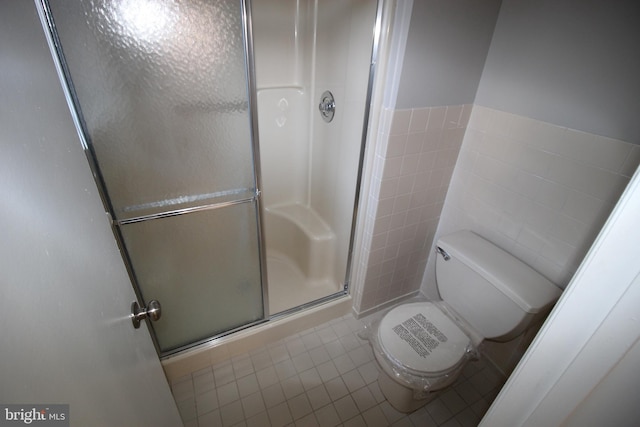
422 347
420 351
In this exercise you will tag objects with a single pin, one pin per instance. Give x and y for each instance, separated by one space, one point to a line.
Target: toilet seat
422 340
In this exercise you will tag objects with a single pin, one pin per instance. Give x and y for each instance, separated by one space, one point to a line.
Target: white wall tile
585 208
437 117
432 141
557 251
491 147
419 120
385 207
571 144
410 165
452 116
569 230
465 116
414 143
388 188
606 153
478 118
397 145
401 203
523 183
379 241
540 190
392 167
550 138
419 156
631 163
397 220
520 127
551 195
426 161
400 122
593 181
451 138
535 161
531 239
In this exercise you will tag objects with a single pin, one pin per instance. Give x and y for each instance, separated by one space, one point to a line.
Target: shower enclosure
206 124
309 164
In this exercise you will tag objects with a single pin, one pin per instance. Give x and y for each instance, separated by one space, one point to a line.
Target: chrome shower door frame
53 39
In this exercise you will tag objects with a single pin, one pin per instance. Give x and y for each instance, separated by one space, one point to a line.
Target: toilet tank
497 294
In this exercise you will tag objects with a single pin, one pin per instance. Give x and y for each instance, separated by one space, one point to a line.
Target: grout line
324 375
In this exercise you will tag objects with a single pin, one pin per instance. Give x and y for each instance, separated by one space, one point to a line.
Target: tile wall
541 192
414 161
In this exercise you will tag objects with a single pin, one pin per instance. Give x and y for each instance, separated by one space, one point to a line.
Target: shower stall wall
309 167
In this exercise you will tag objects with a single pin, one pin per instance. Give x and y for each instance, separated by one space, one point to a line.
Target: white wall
445 52
582 368
540 191
613 400
572 63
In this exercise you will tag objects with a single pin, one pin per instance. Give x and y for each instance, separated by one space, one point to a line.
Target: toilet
422 347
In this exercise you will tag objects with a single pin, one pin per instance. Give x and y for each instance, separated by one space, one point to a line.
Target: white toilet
486 293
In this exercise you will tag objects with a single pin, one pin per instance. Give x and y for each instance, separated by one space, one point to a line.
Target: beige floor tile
325 376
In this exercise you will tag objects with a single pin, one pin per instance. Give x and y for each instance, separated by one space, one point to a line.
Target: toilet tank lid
519 282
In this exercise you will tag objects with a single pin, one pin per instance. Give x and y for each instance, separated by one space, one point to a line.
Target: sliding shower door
162 94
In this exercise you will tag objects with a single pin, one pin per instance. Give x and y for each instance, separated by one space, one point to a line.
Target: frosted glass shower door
161 90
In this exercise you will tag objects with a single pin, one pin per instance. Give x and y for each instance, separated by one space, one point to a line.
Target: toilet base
404 399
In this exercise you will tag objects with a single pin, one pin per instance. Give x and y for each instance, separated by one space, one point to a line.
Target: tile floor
324 376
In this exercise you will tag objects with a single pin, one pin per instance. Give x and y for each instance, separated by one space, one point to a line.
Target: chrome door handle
153 311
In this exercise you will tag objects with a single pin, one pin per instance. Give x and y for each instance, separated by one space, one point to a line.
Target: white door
65 332
582 368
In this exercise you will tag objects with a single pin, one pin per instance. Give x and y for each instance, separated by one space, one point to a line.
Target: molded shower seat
300 234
